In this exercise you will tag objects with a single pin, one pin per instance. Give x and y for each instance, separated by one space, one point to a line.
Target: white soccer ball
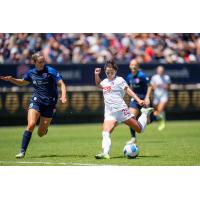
131 150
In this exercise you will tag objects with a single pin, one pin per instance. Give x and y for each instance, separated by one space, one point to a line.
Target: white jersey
158 81
113 92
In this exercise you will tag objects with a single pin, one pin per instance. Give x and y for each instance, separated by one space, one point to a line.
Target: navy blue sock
132 132
25 140
152 117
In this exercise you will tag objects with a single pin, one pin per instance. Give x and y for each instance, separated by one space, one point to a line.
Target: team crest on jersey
44 75
137 80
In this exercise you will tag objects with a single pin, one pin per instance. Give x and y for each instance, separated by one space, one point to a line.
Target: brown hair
112 64
34 56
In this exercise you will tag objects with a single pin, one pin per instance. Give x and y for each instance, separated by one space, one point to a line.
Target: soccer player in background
43 101
116 110
139 83
160 83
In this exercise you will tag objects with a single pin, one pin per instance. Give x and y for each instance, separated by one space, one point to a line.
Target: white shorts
119 116
160 99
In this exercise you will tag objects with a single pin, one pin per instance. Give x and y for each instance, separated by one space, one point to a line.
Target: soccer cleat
132 141
147 111
20 155
161 126
102 156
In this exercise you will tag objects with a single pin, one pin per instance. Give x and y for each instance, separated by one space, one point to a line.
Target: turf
177 145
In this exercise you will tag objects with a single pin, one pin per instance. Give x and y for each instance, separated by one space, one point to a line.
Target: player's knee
31 126
138 129
41 133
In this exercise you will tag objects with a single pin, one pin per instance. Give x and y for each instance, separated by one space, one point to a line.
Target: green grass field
178 144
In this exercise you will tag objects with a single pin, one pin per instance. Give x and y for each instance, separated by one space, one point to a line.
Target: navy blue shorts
134 104
45 111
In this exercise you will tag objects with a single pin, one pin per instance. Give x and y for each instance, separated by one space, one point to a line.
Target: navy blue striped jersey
45 85
138 83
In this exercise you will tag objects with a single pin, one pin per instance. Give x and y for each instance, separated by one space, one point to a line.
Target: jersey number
125 111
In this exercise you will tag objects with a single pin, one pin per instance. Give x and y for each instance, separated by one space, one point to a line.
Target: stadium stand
67 48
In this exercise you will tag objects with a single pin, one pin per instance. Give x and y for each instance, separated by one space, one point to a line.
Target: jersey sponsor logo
44 75
106 89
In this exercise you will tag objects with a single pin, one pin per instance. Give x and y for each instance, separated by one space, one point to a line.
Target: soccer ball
131 150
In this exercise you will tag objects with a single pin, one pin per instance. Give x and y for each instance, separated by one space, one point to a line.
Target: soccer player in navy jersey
43 101
139 83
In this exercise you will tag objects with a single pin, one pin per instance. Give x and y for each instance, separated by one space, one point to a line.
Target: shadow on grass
149 156
149 141
138 157
60 156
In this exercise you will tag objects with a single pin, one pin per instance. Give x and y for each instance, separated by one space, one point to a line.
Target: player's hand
140 102
6 78
63 99
97 71
146 102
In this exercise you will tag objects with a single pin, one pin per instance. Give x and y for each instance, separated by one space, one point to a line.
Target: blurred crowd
65 48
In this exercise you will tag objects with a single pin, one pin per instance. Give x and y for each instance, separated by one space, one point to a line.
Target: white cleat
147 111
20 155
161 126
102 156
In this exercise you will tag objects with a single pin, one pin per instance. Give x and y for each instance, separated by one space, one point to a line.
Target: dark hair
112 64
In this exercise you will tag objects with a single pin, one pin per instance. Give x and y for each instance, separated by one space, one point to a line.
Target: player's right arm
97 78
19 82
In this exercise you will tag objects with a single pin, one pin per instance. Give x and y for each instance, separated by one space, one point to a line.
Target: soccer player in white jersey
116 110
160 83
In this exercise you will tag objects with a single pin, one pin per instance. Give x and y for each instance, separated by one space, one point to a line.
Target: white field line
53 163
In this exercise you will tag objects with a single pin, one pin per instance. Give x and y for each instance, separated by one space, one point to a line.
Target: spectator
65 48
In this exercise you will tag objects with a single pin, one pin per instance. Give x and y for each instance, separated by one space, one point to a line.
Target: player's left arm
148 94
63 89
149 90
60 83
168 83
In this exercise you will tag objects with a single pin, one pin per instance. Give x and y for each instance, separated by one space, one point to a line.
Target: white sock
143 120
106 142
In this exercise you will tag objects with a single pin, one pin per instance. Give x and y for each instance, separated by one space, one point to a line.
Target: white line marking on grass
53 163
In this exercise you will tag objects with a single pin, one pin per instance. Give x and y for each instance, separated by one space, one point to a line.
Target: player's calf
132 123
